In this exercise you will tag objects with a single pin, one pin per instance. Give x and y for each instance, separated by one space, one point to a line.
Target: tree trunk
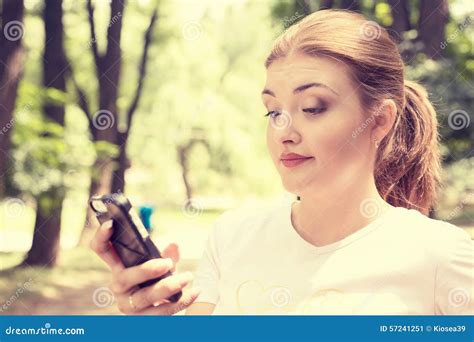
45 247
183 155
183 161
352 5
303 5
325 4
108 173
434 16
401 19
121 165
53 58
105 120
101 178
11 68
46 236
122 161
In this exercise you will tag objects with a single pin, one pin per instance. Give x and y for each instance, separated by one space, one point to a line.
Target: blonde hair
407 164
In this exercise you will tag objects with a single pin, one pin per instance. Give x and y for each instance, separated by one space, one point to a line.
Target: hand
150 300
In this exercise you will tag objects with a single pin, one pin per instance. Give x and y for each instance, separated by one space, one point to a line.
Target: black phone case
129 238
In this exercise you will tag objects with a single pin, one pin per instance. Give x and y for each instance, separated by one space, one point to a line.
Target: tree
11 67
108 171
46 236
184 151
434 16
401 18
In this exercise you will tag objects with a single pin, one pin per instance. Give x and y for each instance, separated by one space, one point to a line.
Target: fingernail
186 277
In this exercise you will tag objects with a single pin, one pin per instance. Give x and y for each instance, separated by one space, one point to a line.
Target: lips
293 159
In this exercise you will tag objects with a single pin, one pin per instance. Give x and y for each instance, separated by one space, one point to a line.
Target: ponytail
407 169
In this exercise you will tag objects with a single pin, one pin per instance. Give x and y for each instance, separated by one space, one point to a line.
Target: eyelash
272 114
312 111
317 110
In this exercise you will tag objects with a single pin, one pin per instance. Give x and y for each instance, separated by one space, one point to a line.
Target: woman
358 144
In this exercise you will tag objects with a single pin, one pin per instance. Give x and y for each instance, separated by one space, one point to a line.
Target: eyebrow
300 89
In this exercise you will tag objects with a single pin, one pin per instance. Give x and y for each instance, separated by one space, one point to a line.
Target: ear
384 118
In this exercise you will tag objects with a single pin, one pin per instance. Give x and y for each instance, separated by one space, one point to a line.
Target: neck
322 218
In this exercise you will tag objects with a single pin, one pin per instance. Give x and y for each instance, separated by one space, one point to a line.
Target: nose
285 130
290 139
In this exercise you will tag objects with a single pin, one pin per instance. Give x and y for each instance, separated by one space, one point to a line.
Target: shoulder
439 238
451 249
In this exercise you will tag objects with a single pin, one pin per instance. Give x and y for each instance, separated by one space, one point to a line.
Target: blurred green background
161 100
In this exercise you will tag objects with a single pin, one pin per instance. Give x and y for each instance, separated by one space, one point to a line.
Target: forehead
297 69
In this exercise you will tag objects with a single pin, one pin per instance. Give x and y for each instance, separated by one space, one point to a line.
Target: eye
314 111
273 114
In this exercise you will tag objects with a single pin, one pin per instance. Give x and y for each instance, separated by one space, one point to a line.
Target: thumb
172 251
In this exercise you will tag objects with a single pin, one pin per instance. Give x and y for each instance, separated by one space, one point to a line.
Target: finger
172 251
132 276
188 297
102 246
160 291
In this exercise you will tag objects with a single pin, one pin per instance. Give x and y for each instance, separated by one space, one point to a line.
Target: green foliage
104 149
208 87
55 97
44 152
40 154
204 77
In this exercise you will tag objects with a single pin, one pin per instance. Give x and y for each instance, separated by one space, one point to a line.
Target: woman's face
316 113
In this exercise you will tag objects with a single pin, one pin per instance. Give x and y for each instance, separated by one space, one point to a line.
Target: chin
299 187
293 187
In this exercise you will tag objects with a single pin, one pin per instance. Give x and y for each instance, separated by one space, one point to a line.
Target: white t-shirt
403 263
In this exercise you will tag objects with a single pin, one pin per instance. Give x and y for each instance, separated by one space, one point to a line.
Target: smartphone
129 237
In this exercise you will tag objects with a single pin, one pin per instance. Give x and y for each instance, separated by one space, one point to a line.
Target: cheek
332 142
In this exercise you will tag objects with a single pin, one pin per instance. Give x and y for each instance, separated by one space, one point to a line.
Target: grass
78 284
62 290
